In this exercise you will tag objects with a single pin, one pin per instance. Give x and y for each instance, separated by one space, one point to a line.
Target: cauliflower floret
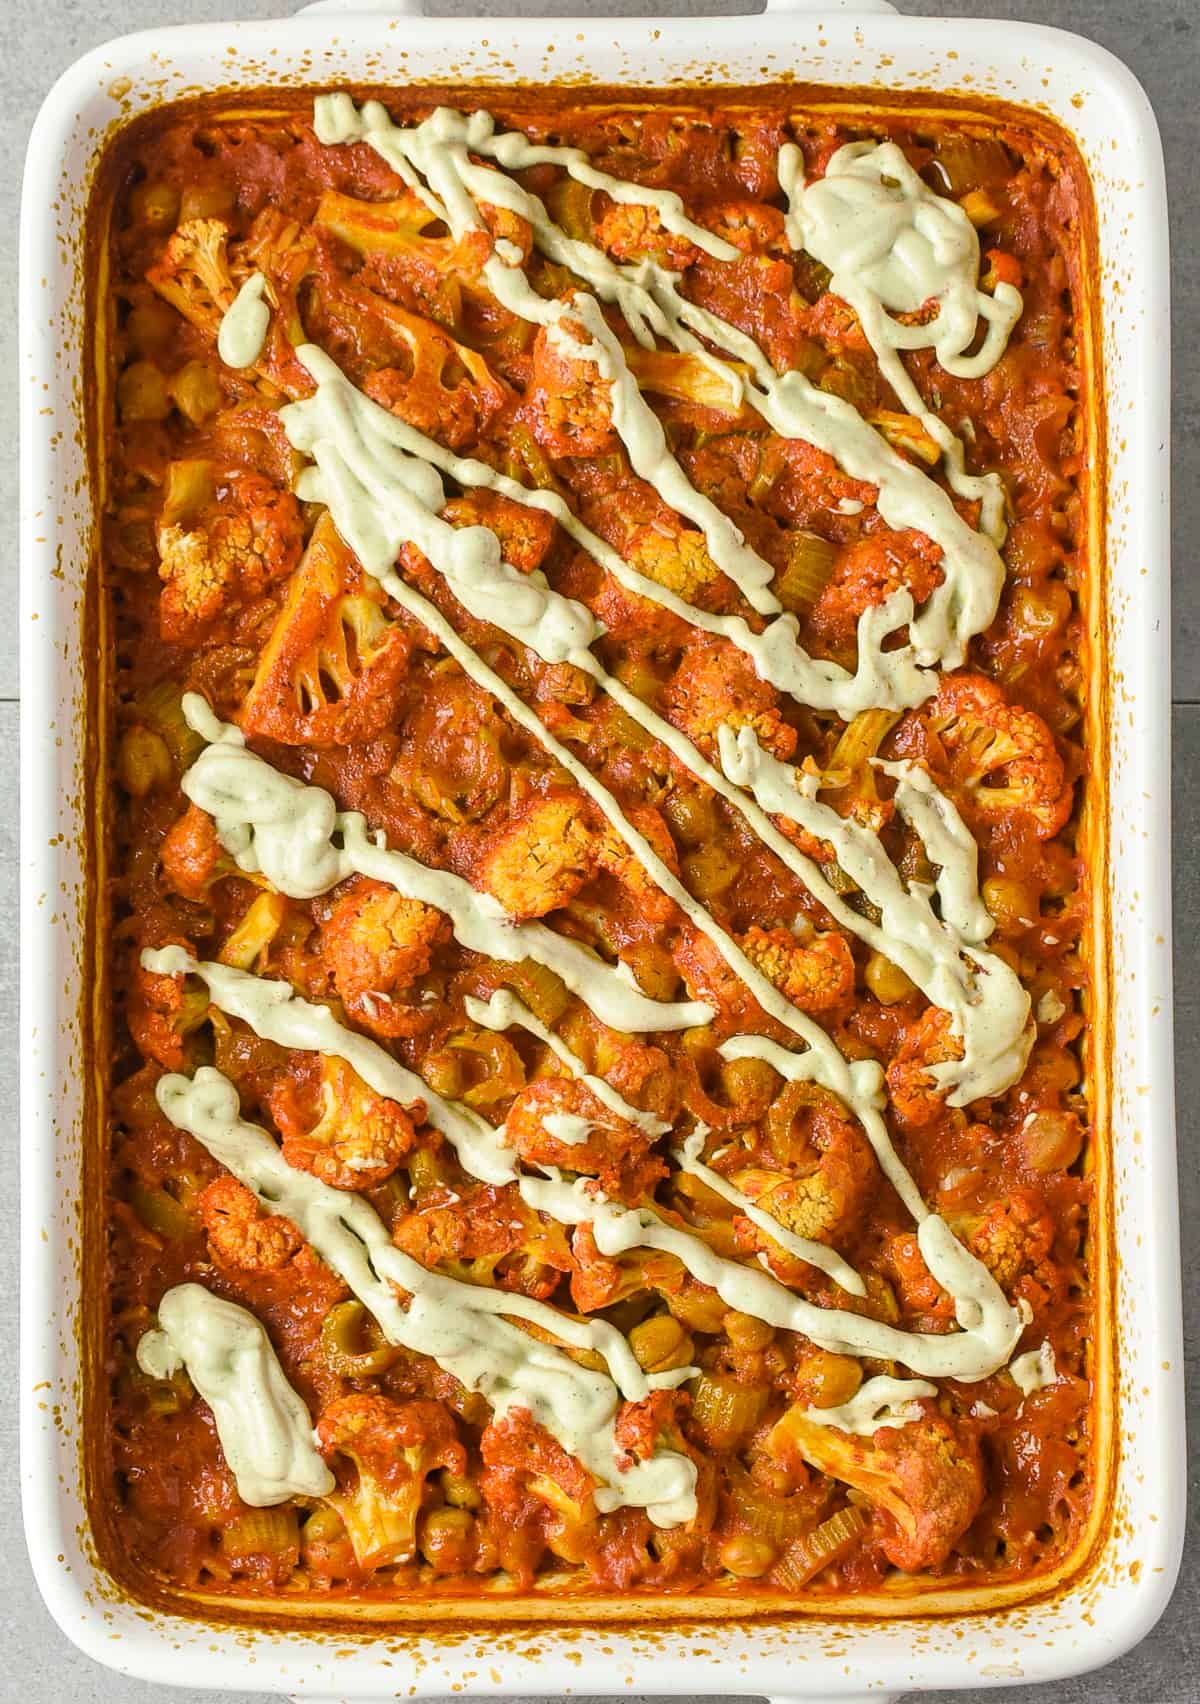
817 976
333 669
569 404
537 1496
915 1097
819 1170
717 685
613 855
451 759
162 1011
641 1427
673 556
924 1481
599 1280
404 361
378 943
866 575
240 1234
757 293
443 389
339 1129
394 1447
284 250
635 232
986 737
596 1142
191 856
918 1290
1013 1236
231 552
487 1236
525 534
752 226
542 858
710 979
192 273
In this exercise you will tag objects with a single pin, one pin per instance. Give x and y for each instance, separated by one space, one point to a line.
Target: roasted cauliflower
542 858
231 552
378 943
924 1481
393 1447
339 1129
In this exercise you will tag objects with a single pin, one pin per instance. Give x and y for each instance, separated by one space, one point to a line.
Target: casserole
776 1644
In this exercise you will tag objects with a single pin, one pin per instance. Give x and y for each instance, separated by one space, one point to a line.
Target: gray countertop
1160 39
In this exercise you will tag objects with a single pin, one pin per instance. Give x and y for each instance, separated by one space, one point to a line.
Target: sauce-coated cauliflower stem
924 1481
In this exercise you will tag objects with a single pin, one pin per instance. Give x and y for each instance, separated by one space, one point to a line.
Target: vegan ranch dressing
881 1401
245 324
264 1427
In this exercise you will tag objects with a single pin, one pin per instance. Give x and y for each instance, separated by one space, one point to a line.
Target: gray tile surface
1161 40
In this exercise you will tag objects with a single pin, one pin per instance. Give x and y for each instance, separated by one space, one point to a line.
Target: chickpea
324 1539
709 871
1053 1069
887 981
443 1071
197 391
745 1556
748 1086
459 1491
829 1380
744 1331
133 546
143 761
660 1343
150 326
692 815
1012 904
1031 549
446 1538
654 968
702 1310
698 1044
206 201
1050 1140
1061 870
142 393
155 205
1041 610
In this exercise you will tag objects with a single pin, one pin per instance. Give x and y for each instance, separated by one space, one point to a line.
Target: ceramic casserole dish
1118 1582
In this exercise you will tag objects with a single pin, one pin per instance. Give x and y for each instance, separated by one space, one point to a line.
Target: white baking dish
1123 1588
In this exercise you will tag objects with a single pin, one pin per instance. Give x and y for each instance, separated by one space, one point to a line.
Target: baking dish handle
793 1698
863 6
808 1697
834 1697
416 8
